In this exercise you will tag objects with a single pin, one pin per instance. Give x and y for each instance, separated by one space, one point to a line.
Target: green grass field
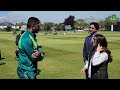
63 59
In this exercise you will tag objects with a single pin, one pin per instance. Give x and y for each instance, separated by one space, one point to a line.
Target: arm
84 51
27 46
41 55
86 65
99 58
84 68
38 54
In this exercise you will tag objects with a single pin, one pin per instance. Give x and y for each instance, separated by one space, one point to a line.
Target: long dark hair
100 39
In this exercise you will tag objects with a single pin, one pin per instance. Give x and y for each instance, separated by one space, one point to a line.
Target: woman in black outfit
97 65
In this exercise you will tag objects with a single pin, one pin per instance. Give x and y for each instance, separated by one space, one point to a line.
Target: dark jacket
87 48
100 71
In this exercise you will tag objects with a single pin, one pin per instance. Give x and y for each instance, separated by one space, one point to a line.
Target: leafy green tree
60 27
111 20
47 26
102 23
70 21
80 23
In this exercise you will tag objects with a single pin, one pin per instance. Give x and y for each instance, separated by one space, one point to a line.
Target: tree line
77 23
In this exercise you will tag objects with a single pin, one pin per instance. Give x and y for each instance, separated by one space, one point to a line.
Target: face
36 28
94 41
92 29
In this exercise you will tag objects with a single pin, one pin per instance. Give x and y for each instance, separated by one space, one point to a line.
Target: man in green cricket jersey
29 52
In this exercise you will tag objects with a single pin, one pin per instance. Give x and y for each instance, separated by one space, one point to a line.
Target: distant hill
6 24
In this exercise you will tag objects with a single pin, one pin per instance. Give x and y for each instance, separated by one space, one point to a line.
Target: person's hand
35 54
83 71
99 48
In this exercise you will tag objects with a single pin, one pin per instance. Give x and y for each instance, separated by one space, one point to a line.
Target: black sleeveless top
98 71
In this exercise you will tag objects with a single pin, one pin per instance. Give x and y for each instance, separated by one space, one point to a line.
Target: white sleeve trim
86 65
99 58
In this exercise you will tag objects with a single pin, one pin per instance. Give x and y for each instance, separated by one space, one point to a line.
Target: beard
35 30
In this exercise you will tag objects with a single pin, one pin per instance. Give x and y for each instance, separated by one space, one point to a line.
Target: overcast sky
52 16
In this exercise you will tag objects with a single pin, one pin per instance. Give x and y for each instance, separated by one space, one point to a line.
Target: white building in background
14 27
111 27
2 27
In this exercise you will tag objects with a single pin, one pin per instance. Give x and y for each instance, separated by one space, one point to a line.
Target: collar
32 34
92 35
